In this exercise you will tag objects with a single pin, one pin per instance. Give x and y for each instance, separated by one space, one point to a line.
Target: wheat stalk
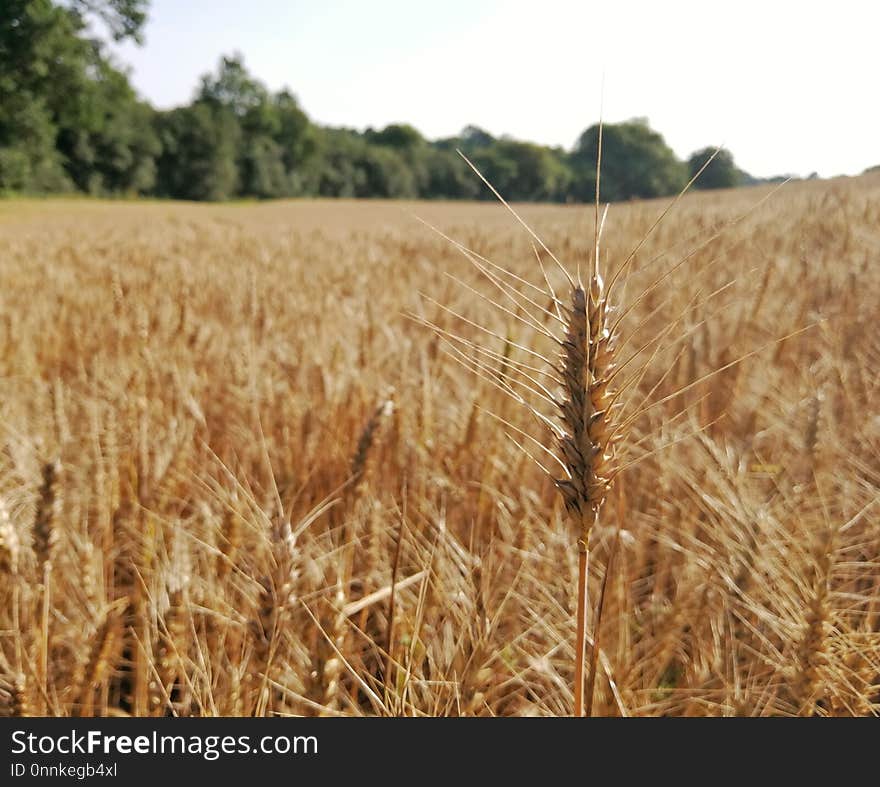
812 649
587 443
100 661
46 519
367 437
576 397
582 418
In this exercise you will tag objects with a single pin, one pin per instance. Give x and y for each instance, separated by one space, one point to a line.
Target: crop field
312 457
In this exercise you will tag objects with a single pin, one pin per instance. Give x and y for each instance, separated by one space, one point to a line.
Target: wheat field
239 476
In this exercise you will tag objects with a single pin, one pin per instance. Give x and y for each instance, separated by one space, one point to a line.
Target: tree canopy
70 120
720 170
636 162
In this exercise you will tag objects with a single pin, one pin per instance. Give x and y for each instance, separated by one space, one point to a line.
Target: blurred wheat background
238 478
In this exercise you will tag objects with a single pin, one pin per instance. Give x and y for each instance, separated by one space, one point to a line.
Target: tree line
70 121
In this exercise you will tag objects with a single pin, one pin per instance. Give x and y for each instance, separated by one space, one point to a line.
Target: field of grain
240 476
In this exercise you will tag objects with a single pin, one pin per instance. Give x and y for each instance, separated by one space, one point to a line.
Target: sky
787 87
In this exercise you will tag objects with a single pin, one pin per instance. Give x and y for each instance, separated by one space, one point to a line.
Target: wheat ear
582 415
46 519
587 443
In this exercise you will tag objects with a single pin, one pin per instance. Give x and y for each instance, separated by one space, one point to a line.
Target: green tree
199 150
233 88
296 137
410 147
518 170
67 116
448 176
123 18
721 173
473 137
385 174
276 137
400 137
498 168
37 41
537 175
108 141
636 162
332 170
29 161
261 168
346 164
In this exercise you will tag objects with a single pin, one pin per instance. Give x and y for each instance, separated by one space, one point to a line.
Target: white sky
786 86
